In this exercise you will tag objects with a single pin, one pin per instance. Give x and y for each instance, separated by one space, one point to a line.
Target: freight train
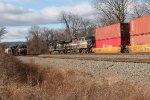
133 37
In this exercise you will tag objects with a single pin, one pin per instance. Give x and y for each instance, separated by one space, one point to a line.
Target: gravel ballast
137 72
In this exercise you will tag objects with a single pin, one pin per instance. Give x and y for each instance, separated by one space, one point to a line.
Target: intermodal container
117 42
108 43
112 31
140 26
140 40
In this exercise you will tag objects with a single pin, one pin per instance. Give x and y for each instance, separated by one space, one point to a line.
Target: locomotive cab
85 44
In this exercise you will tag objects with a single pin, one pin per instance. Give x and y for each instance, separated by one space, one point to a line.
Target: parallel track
131 60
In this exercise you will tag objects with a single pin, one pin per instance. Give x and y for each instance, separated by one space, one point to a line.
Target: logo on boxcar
107 46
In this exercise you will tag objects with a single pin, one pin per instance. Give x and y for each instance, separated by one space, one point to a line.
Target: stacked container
140 35
111 39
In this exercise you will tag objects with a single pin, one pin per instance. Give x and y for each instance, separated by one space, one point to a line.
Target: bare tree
112 11
39 38
66 19
59 34
77 26
34 41
47 35
87 27
138 9
2 31
73 24
35 31
147 6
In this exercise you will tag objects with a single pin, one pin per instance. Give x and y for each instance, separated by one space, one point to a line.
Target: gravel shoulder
137 72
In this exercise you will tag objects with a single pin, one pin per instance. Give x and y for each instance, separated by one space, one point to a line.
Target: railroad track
131 60
103 54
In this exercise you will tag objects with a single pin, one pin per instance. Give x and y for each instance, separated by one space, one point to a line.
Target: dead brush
58 85
13 70
19 81
16 76
61 83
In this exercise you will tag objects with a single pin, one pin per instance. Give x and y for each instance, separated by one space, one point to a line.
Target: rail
131 60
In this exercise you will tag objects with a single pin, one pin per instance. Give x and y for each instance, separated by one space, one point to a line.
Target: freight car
123 37
140 35
80 45
112 39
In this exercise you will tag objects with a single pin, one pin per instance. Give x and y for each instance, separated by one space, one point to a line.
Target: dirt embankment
20 81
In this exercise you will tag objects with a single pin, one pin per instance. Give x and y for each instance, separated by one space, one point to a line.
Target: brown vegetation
19 81
35 42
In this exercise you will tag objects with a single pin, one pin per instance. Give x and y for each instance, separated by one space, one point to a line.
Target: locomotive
17 50
80 45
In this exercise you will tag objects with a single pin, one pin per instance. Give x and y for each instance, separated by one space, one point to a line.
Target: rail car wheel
84 51
125 51
59 51
89 50
80 50
51 52
65 51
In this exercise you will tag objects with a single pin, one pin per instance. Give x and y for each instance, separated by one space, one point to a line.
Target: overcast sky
19 15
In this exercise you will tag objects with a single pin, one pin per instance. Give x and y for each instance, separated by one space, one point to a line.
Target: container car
140 26
140 35
112 39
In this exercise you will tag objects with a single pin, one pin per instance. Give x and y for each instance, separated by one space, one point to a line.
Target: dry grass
19 81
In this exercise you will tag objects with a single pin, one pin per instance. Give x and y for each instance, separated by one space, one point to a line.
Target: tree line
75 26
